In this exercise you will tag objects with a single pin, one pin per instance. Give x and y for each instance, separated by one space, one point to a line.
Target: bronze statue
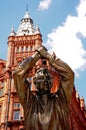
44 110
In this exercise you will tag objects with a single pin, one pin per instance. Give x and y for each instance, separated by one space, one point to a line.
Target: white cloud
66 41
44 4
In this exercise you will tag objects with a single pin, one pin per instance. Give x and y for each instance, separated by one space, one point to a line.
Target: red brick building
22 44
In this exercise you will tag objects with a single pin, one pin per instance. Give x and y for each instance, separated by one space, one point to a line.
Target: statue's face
42 80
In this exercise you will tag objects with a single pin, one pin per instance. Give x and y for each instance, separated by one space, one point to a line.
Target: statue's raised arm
64 70
20 76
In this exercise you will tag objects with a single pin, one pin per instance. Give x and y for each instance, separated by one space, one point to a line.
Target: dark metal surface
45 111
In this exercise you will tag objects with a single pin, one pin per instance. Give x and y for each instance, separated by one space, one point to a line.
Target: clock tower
22 44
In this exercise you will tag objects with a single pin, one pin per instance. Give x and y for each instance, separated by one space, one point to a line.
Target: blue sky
63 27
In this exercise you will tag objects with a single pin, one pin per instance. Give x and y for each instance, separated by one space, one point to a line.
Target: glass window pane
17 49
17 105
22 49
2 84
31 48
16 115
26 48
1 91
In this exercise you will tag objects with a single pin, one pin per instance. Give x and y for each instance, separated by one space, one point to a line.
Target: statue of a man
44 110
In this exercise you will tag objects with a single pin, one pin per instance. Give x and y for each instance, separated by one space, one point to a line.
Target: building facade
22 44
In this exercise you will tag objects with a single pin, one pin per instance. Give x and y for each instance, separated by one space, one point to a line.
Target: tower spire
12 33
26 26
27 7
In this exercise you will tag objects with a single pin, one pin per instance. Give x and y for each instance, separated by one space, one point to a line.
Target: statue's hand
52 58
42 51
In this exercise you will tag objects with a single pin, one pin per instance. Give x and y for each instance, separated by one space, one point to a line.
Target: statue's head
42 80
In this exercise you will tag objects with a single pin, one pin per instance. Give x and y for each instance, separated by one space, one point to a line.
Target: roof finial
27 7
12 31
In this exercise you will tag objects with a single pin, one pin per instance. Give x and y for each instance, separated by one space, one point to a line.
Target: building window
17 49
1 88
2 84
16 111
16 115
31 48
22 49
26 48
19 62
1 92
29 79
16 105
